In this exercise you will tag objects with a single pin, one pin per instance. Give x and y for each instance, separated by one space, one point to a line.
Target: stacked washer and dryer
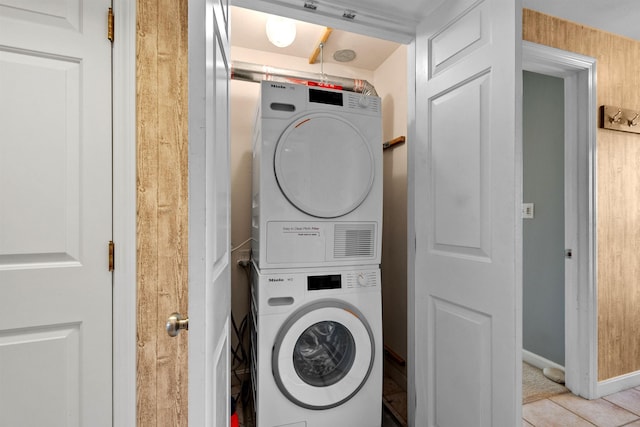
317 227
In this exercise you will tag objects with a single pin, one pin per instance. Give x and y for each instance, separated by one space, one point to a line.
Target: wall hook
621 119
616 118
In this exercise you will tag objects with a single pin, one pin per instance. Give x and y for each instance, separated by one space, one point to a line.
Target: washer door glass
323 355
323 165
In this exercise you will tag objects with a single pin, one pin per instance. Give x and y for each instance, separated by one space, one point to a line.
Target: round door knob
175 323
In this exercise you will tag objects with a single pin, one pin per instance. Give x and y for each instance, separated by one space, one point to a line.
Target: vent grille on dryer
354 240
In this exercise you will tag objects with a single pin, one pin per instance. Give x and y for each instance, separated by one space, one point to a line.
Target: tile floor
564 410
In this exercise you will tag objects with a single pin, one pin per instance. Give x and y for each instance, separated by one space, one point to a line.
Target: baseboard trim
614 385
539 361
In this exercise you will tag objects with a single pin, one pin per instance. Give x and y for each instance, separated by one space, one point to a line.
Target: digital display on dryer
319 283
325 97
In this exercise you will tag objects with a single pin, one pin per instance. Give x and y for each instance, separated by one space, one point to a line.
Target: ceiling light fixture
281 31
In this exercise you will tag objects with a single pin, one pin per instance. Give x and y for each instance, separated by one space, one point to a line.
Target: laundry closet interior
381 63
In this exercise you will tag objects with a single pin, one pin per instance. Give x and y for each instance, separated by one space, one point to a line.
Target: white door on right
466 189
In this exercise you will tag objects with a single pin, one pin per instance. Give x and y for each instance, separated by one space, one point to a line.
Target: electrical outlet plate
527 210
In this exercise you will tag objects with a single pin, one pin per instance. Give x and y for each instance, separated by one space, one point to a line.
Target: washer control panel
361 279
344 280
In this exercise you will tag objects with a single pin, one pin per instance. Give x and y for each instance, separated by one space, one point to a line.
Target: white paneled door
466 187
55 213
209 221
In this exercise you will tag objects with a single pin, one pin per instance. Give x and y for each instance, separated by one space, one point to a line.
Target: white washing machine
317 348
317 178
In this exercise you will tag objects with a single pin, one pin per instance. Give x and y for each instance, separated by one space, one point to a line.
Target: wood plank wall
618 186
162 215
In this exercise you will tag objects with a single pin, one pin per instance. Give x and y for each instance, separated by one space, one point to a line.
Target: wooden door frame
581 319
124 214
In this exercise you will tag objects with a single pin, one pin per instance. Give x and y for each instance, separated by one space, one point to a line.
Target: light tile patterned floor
564 410
567 410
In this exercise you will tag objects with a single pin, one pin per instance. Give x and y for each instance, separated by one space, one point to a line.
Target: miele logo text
276 280
278 86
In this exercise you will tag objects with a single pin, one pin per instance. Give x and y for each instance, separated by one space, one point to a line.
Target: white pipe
256 73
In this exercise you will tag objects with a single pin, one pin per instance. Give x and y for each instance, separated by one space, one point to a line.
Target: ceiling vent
344 55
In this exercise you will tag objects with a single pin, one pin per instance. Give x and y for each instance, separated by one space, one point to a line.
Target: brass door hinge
112 250
110 25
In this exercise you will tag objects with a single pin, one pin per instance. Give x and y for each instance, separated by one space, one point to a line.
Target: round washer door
323 165
323 355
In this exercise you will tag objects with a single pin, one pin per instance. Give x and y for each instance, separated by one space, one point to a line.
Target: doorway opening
543 231
383 63
575 319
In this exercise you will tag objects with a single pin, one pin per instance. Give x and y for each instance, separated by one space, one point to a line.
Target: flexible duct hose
256 73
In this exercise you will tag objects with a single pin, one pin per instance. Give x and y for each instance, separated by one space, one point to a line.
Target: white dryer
317 348
317 178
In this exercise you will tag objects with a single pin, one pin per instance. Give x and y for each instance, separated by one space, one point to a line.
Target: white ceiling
248 27
248 31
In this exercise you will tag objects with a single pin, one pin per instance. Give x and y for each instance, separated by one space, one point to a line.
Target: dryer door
323 355
323 165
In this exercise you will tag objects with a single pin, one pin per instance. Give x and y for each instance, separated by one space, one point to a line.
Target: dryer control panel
325 97
284 100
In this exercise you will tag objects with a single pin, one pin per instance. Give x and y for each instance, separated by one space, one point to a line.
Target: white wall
390 80
543 314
